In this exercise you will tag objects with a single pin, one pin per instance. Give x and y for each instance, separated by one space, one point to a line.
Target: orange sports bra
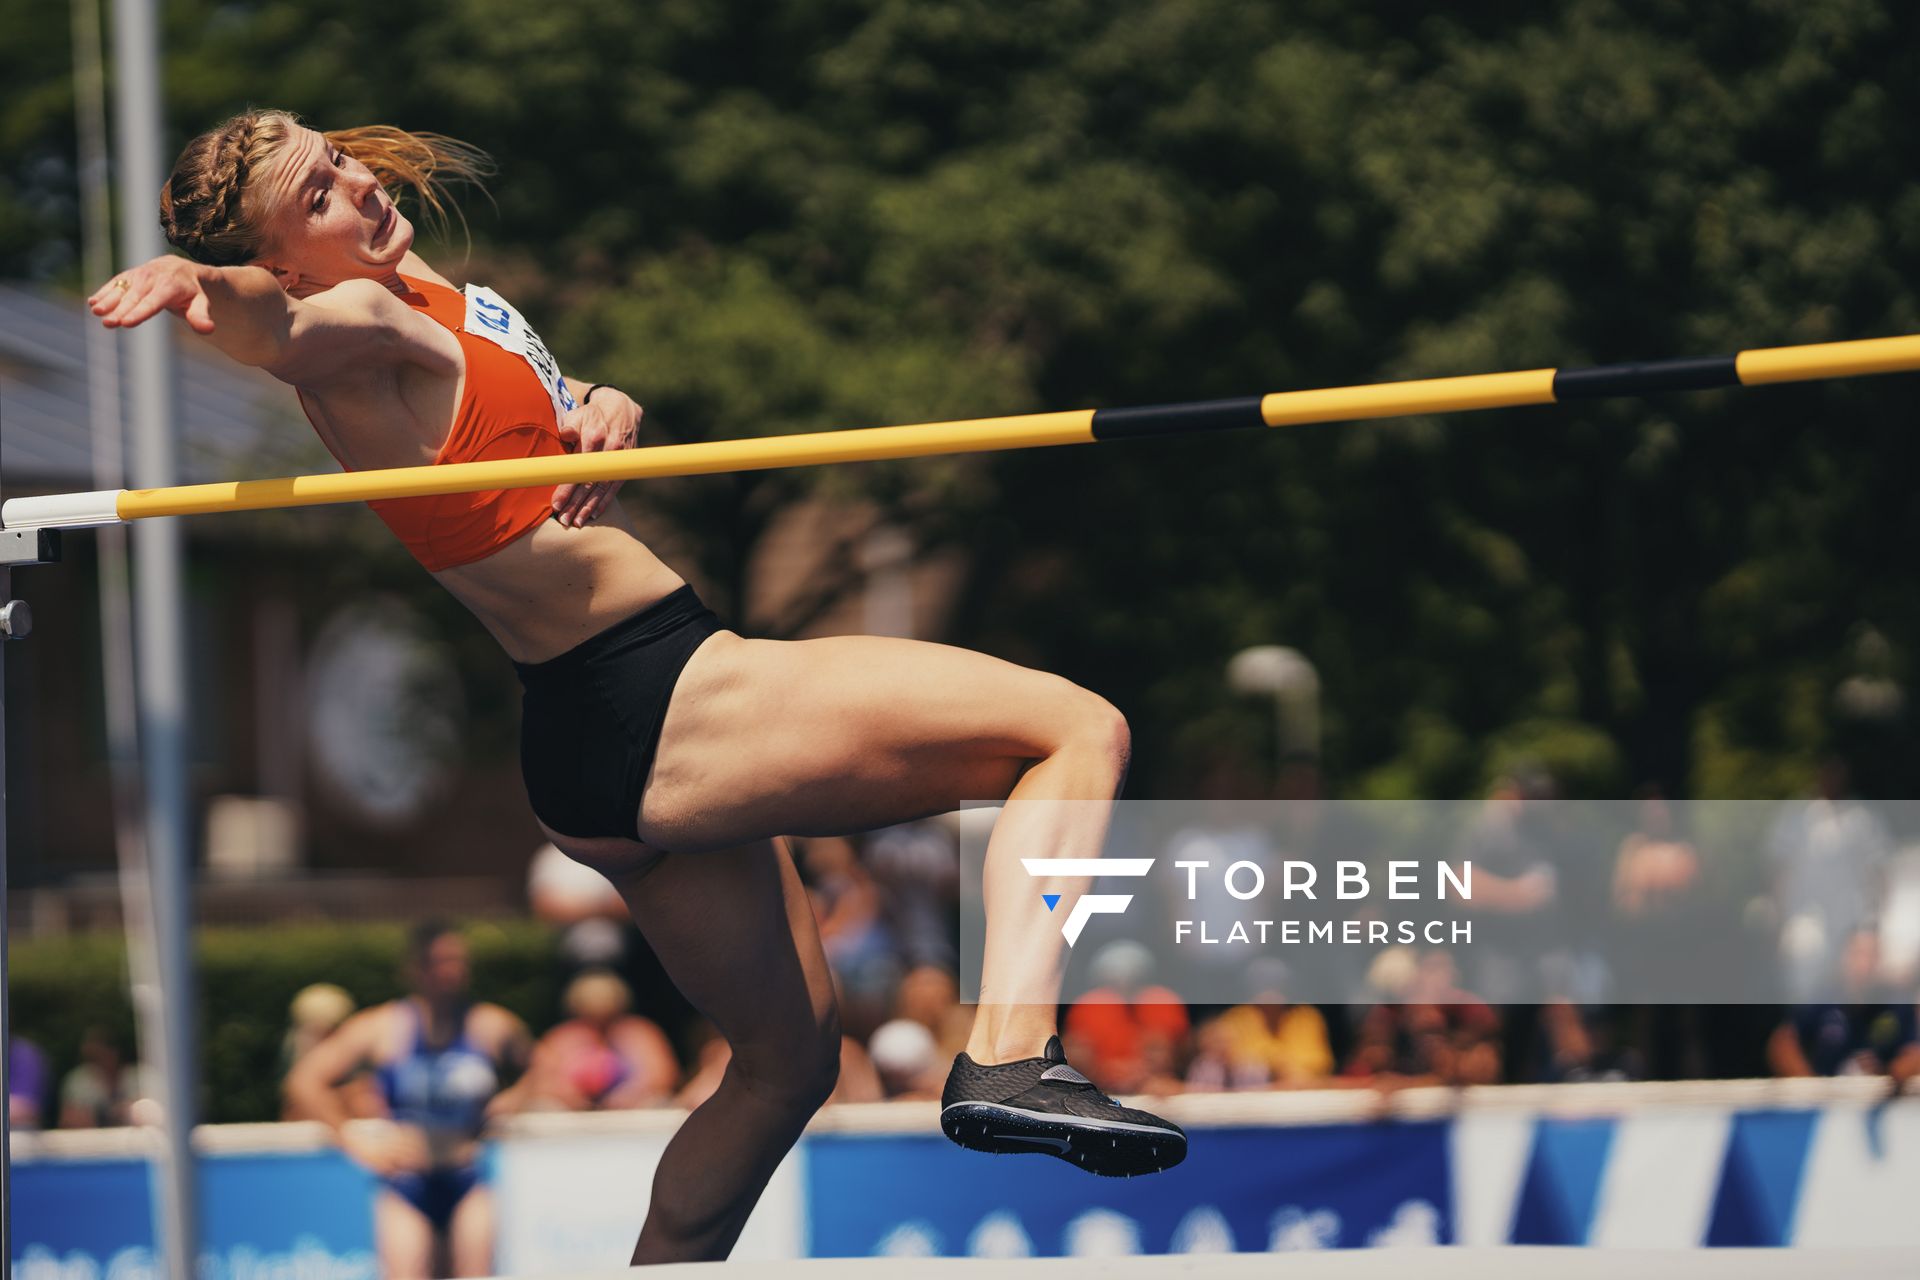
510 407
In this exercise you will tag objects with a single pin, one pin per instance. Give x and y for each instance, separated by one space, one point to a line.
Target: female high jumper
657 747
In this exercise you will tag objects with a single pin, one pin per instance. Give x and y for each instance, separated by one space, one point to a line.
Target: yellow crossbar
1083 426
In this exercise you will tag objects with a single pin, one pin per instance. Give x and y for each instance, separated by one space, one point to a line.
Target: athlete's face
328 219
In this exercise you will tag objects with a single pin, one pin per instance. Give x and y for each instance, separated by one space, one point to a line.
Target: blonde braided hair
211 212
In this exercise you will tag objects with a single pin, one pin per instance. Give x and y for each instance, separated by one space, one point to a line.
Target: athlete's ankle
1010 1045
1000 1037
998 1059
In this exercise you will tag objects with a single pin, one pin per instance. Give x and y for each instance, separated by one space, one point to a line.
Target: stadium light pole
1286 676
160 648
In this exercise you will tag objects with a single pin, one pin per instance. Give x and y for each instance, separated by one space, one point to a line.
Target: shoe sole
1110 1148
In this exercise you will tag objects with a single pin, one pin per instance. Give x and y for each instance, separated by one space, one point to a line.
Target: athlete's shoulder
415 267
359 297
354 328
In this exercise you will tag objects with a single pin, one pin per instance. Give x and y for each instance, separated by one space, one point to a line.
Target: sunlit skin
334 219
761 738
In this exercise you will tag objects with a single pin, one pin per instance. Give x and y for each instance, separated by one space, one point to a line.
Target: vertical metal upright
6 1002
105 412
160 653
17 547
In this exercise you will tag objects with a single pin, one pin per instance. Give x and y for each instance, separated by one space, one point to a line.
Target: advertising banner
1655 1176
267 1215
1240 1190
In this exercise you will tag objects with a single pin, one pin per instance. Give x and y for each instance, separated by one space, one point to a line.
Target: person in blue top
439 1061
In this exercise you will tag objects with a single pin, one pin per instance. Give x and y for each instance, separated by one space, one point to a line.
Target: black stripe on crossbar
1172 419
1641 379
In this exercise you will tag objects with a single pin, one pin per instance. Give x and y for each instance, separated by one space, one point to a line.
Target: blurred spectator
907 1059
859 1082
583 904
438 1058
1127 1034
1515 885
596 931
1163 1059
929 996
1829 855
26 1083
1869 1034
1577 1044
603 1057
1271 1041
315 1013
103 1090
1440 1035
846 900
1212 1069
917 867
1655 867
1656 903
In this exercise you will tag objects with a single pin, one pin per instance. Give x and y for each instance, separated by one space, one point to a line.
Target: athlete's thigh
404 1237
736 934
470 1234
843 734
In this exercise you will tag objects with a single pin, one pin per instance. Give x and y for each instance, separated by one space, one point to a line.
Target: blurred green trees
853 212
60 986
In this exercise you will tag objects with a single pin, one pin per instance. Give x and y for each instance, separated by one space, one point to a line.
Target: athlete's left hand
611 420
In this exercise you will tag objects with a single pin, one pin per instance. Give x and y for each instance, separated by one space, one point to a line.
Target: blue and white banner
1240 1189
1843 1174
265 1215
1684 1174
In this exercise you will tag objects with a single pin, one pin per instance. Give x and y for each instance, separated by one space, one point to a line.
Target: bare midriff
546 592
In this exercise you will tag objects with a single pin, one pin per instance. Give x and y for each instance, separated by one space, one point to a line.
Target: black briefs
591 717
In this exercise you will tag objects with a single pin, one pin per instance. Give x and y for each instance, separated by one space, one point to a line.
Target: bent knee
1099 726
798 1070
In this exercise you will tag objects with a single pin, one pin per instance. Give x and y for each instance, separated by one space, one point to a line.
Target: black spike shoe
1043 1105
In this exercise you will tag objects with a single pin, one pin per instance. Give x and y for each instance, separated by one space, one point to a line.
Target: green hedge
60 986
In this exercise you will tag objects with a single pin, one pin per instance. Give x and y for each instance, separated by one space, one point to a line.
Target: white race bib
492 317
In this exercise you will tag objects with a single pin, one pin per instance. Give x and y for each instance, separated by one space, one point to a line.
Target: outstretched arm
242 310
245 313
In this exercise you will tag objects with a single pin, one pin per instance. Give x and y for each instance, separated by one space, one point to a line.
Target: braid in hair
203 208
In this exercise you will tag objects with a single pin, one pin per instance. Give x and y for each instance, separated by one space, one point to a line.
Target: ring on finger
121 283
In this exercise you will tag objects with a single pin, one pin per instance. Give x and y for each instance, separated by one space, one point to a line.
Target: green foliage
58 987
852 212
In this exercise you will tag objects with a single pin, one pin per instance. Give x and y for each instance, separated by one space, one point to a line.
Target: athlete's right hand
142 292
384 1148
